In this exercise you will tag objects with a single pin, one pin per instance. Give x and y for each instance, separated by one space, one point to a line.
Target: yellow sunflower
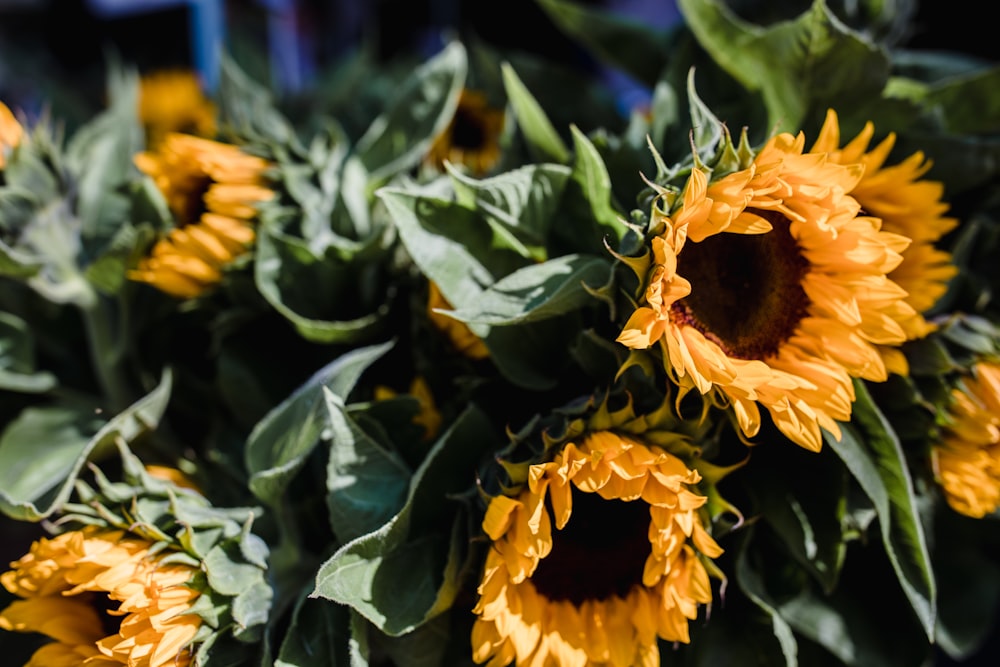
768 287
907 205
967 460
458 333
621 569
472 138
173 101
66 582
213 189
10 133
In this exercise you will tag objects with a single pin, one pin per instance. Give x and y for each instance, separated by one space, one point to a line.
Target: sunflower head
763 283
908 205
173 101
213 190
142 575
967 458
472 138
599 545
10 133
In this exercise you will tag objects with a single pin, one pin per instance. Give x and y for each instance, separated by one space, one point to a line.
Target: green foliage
313 381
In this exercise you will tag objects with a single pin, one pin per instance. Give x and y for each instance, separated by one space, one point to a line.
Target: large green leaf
543 139
450 243
99 155
801 496
966 104
874 457
518 204
619 41
308 289
589 191
407 572
43 450
849 622
318 635
282 441
399 138
366 483
801 66
17 358
247 110
538 291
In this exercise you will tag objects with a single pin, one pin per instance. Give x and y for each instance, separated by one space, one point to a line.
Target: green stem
98 318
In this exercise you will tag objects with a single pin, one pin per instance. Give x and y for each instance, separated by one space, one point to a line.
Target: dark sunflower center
746 289
467 130
600 551
194 202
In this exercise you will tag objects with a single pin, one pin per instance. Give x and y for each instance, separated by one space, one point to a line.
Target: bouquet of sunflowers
449 363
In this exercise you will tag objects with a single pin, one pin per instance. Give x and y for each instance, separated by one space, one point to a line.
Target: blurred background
53 53
54 56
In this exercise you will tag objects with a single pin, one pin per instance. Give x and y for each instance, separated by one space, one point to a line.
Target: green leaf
227 572
538 292
801 496
17 358
247 111
366 483
969 104
616 40
281 442
542 138
590 183
36 480
752 584
403 574
400 137
801 66
450 244
874 457
518 204
318 635
99 155
302 286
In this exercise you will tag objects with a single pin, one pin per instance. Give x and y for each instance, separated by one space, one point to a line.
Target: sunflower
907 205
472 138
458 333
173 101
10 133
212 189
967 460
622 568
67 581
769 287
